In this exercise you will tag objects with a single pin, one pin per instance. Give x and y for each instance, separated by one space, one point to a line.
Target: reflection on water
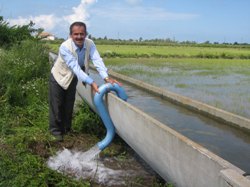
229 143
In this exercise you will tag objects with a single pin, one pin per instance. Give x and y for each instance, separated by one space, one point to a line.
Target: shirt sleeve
98 62
72 63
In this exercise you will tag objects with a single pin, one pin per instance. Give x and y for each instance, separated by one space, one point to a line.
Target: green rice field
218 76
223 83
173 51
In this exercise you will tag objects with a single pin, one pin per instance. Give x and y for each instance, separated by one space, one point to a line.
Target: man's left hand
112 81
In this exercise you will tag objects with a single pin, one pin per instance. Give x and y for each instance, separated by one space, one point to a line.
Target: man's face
78 35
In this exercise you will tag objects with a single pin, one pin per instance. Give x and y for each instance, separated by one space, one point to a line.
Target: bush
10 35
87 121
24 73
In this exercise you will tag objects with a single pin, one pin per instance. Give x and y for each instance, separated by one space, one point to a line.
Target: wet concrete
227 142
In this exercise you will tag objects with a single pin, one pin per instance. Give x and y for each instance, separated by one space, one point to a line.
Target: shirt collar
77 48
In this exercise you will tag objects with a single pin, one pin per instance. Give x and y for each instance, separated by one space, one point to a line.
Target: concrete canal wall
172 155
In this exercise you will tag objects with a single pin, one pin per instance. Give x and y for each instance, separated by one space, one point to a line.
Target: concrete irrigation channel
183 146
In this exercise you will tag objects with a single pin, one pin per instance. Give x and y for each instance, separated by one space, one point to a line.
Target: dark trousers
61 104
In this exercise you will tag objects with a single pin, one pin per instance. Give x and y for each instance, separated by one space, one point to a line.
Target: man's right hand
94 87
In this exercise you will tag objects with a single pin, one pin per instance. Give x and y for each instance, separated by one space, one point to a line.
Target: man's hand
112 81
94 87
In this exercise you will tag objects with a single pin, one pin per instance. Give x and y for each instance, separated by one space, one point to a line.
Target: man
72 64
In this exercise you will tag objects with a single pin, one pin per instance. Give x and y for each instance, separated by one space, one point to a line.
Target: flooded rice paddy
224 87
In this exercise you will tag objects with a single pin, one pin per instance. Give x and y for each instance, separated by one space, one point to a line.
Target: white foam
86 165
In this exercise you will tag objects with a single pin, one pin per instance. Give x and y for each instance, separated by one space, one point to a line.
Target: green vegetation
174 51
206 72
166 41
186 63
24 118
25 143
212 81
11 35
142 50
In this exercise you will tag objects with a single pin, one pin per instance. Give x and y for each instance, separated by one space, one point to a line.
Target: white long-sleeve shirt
75 64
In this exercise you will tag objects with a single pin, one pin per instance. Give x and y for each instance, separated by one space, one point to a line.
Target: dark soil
118 156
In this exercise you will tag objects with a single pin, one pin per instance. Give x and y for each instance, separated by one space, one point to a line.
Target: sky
179 20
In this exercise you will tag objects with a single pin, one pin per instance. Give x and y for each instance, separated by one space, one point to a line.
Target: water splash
87 165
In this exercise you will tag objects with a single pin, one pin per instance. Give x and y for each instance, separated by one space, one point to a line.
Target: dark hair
77 23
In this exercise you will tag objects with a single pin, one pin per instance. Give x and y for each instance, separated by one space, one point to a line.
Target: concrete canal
230 143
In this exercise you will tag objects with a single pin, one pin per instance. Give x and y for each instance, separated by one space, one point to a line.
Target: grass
192 62
145 51
172 51
194 71
25 143
206 80
174 67
24 119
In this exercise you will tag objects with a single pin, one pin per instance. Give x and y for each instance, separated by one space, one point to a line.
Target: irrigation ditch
220 115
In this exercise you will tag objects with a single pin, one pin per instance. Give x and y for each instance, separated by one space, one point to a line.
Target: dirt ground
118 156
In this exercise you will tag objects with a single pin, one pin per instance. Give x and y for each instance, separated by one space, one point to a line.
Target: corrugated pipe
103 113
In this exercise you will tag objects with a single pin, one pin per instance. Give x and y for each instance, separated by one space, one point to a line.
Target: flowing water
79 164
88 165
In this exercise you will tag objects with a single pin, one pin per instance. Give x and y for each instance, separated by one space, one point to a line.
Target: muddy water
229 143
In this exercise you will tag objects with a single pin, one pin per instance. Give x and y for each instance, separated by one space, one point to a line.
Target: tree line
11 35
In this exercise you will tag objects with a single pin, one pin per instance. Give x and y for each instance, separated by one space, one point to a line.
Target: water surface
230 143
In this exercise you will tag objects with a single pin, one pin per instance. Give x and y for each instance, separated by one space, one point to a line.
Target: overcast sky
181 20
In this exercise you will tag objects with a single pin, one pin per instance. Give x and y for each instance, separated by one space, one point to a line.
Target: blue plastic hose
103 113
